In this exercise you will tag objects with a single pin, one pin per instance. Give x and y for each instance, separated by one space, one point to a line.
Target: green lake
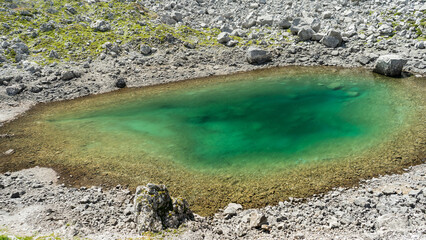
232 129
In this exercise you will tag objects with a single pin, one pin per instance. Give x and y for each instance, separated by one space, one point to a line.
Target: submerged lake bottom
253 138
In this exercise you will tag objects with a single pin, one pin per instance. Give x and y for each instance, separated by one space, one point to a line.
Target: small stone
316 25
223 38
177 16
232 209
9 152
257 219
189 45
392 222
49 26
70 9
364 60
156 210
362 202
53 54
120 83
84 200
389 191
414 193
101 26
15 195
265 228
333 223
232 43
266 20
145 49
327 15
421 45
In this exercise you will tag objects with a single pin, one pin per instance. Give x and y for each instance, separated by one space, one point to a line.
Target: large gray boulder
316 24
15 90
266 20
332 39
305 33
284 23
296 25
390 65
156 210
177 16
386 30
69 75
257 56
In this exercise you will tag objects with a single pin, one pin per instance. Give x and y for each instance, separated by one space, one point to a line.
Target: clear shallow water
254 123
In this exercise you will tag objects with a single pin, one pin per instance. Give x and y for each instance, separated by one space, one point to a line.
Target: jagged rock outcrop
156 210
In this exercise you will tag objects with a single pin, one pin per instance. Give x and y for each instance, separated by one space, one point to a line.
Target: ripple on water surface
253 138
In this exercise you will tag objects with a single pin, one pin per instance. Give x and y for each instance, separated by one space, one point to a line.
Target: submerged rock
156 210
390 65
352 94
335 85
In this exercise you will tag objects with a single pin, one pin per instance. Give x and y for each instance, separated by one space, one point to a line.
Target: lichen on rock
156 210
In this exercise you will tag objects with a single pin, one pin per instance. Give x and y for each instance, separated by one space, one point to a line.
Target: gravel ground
32 203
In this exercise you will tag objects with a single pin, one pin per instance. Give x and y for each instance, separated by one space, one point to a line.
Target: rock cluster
156 210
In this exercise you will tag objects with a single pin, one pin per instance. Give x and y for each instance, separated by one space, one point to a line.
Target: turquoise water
257 123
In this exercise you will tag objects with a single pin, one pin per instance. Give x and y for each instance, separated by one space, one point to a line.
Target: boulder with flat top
390 65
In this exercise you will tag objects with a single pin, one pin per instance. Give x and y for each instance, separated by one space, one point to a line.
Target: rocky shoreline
32 203
217 41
